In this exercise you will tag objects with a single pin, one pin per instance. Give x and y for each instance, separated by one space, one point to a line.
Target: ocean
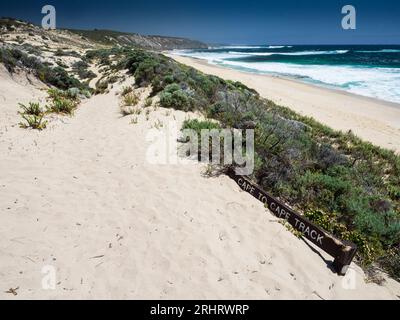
372 70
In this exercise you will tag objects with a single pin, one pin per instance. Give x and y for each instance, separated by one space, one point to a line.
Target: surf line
342 251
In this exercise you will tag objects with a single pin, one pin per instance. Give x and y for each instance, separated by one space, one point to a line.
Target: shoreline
293 79
371 119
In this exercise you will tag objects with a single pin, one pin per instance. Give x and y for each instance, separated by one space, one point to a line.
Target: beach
86 212
371 119
82 200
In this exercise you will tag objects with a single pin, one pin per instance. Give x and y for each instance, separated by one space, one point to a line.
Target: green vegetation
34 122
101 87
64 102
82 69
115 38
101 36
103 84
57 76
33 115
126 90
148 102
62 53
174 97
348 186
9 23
33 109
62 105
130 99
197 125
103 55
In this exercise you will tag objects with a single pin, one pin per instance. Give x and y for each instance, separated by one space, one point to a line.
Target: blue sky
222 21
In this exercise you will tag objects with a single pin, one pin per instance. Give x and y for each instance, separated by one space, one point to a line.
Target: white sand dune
370 119
80 196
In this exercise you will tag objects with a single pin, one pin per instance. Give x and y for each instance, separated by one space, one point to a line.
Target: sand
371 119
81 199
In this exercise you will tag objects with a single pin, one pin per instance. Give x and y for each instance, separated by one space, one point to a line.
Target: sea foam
376 82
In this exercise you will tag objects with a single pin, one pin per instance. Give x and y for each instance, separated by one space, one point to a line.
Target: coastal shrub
101 86
178 100
30 49
130 99
33 121
129 104
86 93
33 116
54 93
62 105
63 101
391 263
133 60
354 185
59 53
128 110
174 97
126 90
32 108
369 249
168 79
61 64
57 76
148 102
82 69
71 94
145 72
197 125
9 58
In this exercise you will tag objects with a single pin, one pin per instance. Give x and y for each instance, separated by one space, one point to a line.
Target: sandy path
81 197
373 120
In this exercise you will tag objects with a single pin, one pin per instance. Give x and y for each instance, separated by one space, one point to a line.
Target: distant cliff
134 39
103 37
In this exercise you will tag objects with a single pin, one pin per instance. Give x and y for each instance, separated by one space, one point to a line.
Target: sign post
343 252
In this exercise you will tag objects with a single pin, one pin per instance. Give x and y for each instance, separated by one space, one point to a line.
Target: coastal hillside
80 195
84 38
143 41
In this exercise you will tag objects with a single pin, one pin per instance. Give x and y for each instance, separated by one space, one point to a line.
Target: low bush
130 99
197 125
148 102
33 116
82 69
62 105
101 86
57 76
198 128
126 90
174 97
33 121
391 263
62 53
64 102
33 109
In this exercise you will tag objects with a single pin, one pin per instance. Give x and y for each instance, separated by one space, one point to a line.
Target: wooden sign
343 252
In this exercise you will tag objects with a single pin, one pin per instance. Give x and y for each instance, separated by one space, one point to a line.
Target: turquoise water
372 71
